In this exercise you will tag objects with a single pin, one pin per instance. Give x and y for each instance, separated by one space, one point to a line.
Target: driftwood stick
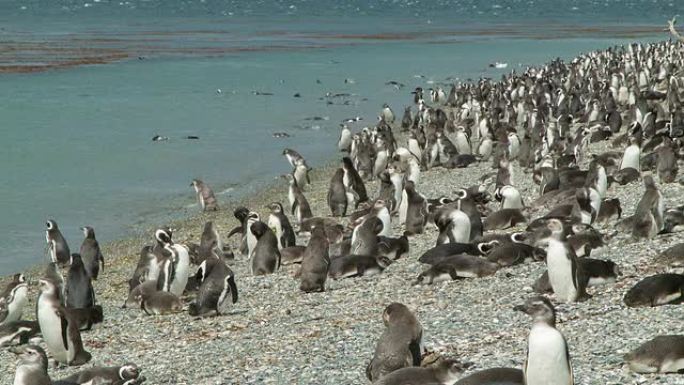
673 31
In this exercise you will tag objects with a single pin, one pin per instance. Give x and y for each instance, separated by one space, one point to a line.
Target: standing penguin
90 253
548 360
79 293
648 217
278 222
265 259
344 143
177 278
217 288
32 367
301 173
416 210
59 329
315 262
352 180
565 275
205 195
365 237
13 299
337 195
387 114
57 245
299 205
399 345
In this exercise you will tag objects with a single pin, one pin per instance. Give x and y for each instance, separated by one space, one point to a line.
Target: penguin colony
542 120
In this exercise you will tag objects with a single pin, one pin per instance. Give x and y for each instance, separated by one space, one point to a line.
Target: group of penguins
543 118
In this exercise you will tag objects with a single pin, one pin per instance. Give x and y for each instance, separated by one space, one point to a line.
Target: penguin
301 174
672 257
292 255
176 279
278 222
32 366
114 374
387 114
494 376
609 208
656 290
582 210
393 248
509 197
136 295
440 252
455 267
53 273
399 346
662 354
454 226
242 215
649 212
667 161
631 156
161 303
486 147
598 272
292 156
416 210
210 243
357 266
511 253
353 181
299 205
338 198
265 259
79 291
13 299
21 330
315 262
365 236
205 195
59 330
444 372
504 219
406 120
90 253
344 142
57 245
85 318
565 274
217 289
548 359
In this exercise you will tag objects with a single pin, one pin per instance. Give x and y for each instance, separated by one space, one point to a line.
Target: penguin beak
16 350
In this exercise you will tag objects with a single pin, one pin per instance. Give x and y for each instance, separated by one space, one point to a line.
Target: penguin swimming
548 360
57 245
90 253
205 195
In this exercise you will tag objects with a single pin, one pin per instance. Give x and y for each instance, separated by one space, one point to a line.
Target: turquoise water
76 141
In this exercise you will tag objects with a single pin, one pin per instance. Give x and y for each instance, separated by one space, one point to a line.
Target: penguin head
258 228
241 213
275 207
88 232
19 278
76 261
163 236
383 261
196 183
51 225
129 371
450 370
396 313
539 308
31 355
47 286
555 227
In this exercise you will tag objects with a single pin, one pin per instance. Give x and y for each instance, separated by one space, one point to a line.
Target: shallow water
76 141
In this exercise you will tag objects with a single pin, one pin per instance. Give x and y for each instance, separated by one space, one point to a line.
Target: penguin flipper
414 349
236 230
65 328
233 289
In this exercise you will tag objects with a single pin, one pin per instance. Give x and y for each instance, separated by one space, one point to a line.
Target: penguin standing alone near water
205 195
548 360
57 245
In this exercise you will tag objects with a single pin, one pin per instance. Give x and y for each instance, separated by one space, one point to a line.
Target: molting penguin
662 354
13 299
365 236
399 345
548 360
353 265
79 291
17 331
656 290
217 288
278 222
565 273
32 366
301 174
60 331
338 199
205 195
315 262
266 257
648 217
57 245
504 219
455 267
90 253
494 376
353 181
416 210
160 303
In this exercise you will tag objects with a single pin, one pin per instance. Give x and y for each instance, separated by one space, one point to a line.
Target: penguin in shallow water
662 354
57 245
79 291
399 344
278 222
59 329
91 253
656 290
32 366
217 289
548 359
13 299
205 195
